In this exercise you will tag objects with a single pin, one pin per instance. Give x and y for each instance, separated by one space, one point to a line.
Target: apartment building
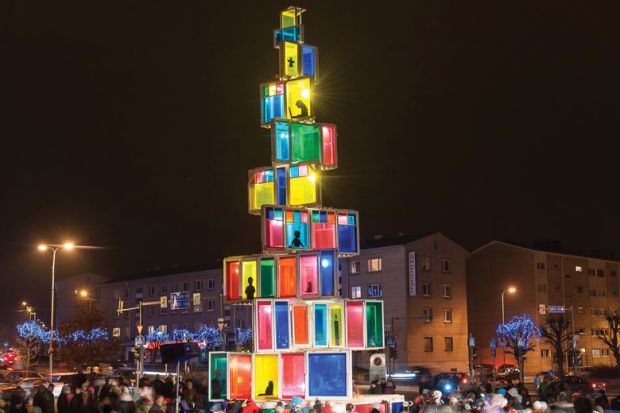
422 282
587 287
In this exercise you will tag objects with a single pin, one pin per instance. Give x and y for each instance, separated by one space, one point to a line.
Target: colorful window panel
300 325
280 135
303 187
297 229
374 324
298 98
308 275
233 280
287 276
265 375
355 324
289 17
289 59
327 375
260 189
320 325
283 340
218 366
249 273
288 34
273 227
264 333
293 375
240 374
327 260
272 102
305 142
323 229
267 278
336 326
328 146
309 60
347 232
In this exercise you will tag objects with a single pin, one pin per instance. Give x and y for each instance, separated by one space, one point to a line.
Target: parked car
577 383
508 371
412 375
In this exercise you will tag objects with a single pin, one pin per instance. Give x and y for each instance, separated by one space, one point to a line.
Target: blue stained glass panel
282 325
327 375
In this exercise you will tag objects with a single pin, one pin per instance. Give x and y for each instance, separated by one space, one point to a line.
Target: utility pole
139 338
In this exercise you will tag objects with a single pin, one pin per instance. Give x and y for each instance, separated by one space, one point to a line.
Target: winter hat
297 400
501 391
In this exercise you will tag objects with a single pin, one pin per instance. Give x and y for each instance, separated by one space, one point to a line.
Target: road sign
139 341
179 301
555 309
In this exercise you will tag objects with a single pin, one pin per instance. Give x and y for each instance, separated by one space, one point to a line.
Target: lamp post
68 246
85 295
510 290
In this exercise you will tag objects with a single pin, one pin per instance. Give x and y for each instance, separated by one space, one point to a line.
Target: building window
428 344
593 311
449 343
591 271
375 264
592 293
375 290
542 288
198 285
151 290
580 310
210 305
596 352
602 293
356 291
613 273
427 314
163 289
150 329
210 284
604 352
545 353
162 310
580 289
425 262
426 289
447 315
126 332
600 273
578 268
116 332
197 302
446 266
447 291
355 267
540 265
163 328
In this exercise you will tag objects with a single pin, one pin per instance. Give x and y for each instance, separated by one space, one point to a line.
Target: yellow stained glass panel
303 190
298 98
266 376
291 62
261 194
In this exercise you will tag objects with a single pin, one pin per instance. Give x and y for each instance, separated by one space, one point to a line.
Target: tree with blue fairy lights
520 336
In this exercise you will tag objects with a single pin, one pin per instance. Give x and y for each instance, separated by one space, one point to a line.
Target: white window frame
423 264
210 284
446 265
375 264
356 291
355 267
447 291
198 284
447 315
427 313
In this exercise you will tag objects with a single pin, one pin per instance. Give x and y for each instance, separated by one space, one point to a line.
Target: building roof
381 241
555 247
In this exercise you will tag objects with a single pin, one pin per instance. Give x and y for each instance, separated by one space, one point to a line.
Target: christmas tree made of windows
303 331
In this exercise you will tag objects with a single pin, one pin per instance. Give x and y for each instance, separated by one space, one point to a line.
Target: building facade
423 285
586 287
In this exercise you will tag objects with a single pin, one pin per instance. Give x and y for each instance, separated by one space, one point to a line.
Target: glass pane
240 376
323 236
289 34
308 59
282 184
298 98
328 139
355 324
290 59
266 376
232 280
282 325
260 194
306 142
327 260
267 278
308 275
297 235
337 327
264 321
293 376
274 233
374 324
303 189
300 322
272 107
320 325
217 375
249 279
281 141
347 238
288 276
327 375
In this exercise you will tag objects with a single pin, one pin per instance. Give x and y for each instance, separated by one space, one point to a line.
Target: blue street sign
556 309
179 301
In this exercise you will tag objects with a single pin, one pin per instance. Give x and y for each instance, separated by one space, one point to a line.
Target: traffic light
135 352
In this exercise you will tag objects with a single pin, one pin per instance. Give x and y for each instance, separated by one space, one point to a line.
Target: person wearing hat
64 400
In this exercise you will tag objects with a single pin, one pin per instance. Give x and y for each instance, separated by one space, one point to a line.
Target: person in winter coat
64 400
40 400
83 401
125 402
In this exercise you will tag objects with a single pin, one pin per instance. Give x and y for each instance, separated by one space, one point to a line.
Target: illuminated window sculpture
293 284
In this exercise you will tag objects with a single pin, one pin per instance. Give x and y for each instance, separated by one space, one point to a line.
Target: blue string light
32 329
518 331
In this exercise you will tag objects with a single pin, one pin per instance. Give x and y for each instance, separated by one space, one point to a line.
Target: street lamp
68 246
85 295
510 290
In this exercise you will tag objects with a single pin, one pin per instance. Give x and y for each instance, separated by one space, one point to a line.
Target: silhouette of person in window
250 290
296 242
302 106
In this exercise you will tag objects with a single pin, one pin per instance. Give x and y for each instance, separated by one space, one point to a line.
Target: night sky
131 126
